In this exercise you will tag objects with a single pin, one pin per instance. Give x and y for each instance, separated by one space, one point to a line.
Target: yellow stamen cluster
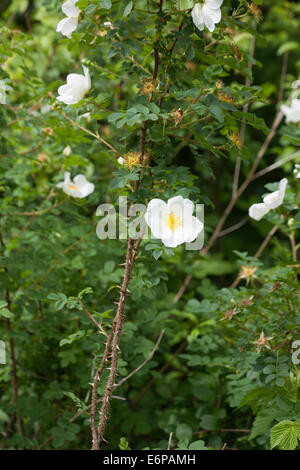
148 86
236 139
133 159
173 221
247 272
224 97
73 187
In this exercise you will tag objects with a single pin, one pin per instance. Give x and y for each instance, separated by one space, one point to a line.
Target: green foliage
208 375
285 435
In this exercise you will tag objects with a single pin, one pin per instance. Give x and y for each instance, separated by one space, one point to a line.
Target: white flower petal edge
76 88
275 199
271 201
68 25
258 211
292 112
215 4
173 222
80 187
69 8
207 15
198 17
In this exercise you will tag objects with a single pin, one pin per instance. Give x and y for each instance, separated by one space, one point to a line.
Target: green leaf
261 424
4 312
285 435
185 4
197 445
105 4
126 7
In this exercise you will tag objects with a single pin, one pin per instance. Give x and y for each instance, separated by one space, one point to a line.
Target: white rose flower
292 113
173 222
271 201
70 23
79 187
108 24
208 14
76 88
297 170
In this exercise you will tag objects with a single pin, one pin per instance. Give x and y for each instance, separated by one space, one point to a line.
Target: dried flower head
263 341
219 84
48 131
177 115
229 314
42 157
276 286
247 272
148 86
224 97
247 302
256 11
237 53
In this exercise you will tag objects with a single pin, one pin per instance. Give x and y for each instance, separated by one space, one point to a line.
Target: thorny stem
114 341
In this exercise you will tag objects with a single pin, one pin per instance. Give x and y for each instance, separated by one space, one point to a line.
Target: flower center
72 186
173 221
261 341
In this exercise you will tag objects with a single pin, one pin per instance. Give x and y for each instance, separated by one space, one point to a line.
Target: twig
96 136
234 227
143 363
276 165
91 317
170 440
